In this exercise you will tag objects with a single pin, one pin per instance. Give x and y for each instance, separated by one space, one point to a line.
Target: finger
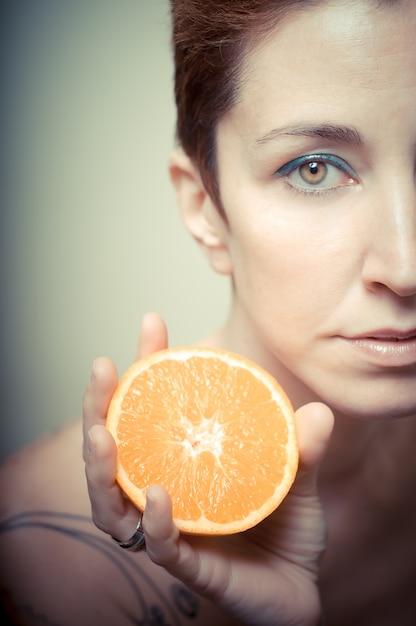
153 335
112 512
314 422
161 533
190 558
97 395
164 545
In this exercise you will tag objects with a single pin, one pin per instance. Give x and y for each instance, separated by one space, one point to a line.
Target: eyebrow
332 132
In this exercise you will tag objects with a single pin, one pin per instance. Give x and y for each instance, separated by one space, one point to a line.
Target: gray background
91 237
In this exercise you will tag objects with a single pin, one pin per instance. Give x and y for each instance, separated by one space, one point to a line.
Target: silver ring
136 542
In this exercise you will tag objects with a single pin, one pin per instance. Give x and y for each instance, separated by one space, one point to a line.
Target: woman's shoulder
47 473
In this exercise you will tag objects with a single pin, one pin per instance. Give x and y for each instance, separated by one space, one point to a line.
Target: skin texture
322 261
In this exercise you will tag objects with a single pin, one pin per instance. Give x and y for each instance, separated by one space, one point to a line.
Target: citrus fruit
210 426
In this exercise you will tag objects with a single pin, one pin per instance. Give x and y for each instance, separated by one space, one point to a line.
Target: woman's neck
370 457
349 450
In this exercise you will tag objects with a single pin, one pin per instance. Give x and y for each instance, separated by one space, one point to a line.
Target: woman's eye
317 173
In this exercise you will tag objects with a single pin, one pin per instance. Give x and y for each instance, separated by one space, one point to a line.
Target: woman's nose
390 260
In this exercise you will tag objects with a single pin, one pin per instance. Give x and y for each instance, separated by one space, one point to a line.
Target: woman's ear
201 216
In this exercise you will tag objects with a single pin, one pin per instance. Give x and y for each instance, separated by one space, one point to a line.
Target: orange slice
213 428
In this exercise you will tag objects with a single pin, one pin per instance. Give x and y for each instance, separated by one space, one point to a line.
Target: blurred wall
91 235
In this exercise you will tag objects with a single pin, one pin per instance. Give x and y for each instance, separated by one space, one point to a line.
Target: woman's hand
111 511
264 576
267 575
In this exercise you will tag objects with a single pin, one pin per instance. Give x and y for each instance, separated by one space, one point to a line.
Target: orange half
213 428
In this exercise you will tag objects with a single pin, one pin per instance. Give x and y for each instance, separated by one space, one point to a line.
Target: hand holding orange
213 428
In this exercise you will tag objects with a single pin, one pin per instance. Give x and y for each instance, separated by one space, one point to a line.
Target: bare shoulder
58 569
47 473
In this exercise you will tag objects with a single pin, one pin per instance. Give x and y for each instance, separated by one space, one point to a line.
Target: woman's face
317 165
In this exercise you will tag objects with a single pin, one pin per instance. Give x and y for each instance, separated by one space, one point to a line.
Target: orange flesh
183 427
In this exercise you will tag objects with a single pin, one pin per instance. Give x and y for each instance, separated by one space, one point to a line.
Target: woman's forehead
339 62
331 46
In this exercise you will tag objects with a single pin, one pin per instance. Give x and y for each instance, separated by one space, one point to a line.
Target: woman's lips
386 347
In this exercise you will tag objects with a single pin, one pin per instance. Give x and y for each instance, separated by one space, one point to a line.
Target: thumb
314 423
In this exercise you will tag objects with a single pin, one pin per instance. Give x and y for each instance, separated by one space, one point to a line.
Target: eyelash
326 159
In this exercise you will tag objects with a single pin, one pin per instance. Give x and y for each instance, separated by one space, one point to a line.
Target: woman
296 176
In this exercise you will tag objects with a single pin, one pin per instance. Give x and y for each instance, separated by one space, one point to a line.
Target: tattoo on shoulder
152 606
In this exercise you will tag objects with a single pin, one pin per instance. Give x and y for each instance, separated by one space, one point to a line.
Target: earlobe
199 213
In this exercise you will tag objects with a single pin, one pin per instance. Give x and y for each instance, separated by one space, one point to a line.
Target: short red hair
210 38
